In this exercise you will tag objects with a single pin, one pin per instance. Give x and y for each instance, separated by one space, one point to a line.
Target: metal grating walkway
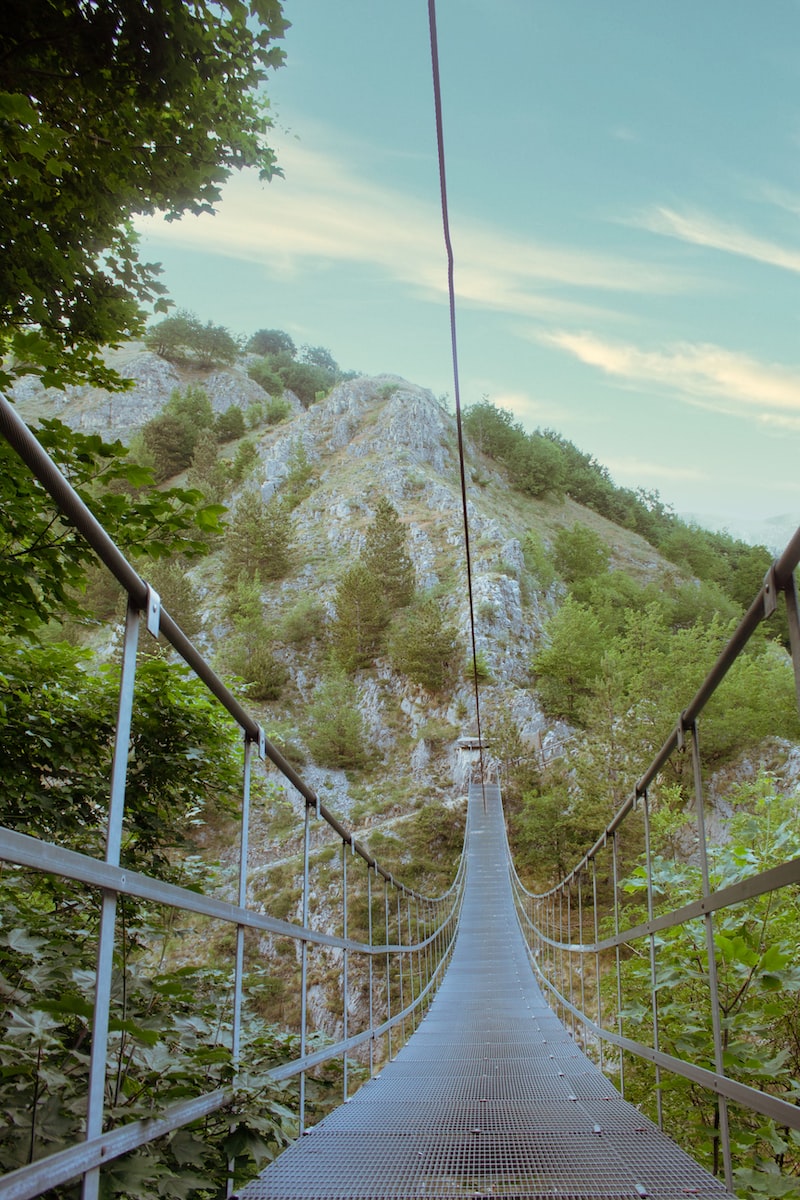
490 1097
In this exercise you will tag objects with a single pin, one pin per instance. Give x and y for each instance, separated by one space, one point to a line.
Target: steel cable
437 99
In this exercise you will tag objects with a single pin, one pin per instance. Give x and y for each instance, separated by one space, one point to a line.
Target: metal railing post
410 960
620 1023
371 974
597 975
345 992
581 959
713 978
388 968
105 944
652 942
304 969
400 961
238 972
569 957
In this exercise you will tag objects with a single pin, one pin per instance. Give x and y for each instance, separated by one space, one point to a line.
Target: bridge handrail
425 957
548 918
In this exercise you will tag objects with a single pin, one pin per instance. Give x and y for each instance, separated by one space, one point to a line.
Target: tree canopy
109 111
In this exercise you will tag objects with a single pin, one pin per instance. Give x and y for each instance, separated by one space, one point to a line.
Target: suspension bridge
492 1095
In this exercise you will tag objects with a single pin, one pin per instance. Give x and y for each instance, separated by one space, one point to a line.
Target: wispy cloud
324 214
709 375
700 229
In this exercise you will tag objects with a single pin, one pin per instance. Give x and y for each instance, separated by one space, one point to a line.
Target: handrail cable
437 100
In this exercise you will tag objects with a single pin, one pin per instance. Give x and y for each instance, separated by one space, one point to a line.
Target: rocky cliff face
120 414
370 437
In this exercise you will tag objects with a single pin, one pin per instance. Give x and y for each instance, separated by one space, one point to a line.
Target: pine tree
257 540
336 736
425 647
361 619
386 556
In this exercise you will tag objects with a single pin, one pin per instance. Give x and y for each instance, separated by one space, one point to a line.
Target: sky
624 193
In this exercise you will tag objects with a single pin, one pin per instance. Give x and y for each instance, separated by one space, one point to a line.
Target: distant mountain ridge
772 532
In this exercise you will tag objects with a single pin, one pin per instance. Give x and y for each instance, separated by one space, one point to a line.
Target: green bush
257 540
276 410
229 425
336 733
425 647
263 373
304 622
183 338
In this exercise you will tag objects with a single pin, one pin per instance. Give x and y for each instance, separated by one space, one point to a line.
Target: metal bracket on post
793 617
770 592
153 611
262 743
680 734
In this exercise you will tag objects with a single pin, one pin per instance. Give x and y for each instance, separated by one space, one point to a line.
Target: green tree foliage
257 540
229 425
276 410
170 443
159 105
386 556
534 463
624 676
248 649
425 647
191 406
266 376
307 381
568 665
537 467
178 593
300 480
360 620
580 554
171 437
183 338
271 341
537 560
758 980
318 356
44 562
336 733
245 461
58 753
207 472
310 376
304 622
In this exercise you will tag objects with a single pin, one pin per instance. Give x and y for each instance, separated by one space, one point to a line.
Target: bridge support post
304 971
388 969
371 1002
620 1023
713 981
652 940
105 944
345 992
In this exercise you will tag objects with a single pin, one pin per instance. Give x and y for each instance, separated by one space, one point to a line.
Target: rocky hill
368 440
372 438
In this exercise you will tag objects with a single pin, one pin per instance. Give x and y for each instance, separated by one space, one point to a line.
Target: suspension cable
437 99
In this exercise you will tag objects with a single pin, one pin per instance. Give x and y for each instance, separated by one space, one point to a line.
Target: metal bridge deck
490 1097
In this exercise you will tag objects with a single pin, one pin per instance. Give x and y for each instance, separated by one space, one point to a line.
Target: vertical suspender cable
437 99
